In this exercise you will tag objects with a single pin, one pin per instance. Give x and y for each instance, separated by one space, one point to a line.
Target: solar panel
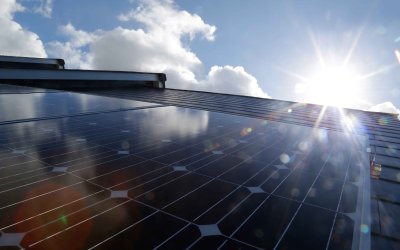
172 178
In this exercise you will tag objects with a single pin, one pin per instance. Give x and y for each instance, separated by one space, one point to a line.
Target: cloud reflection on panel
172 122
15 107
90 103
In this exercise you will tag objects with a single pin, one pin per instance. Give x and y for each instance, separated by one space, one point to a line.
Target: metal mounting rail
65 78
16 62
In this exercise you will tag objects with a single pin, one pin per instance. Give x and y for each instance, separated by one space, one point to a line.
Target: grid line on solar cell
43 194
172 236
13 167
53 209
143 183
161 166
28 184
173 181
24 178
66 215
23 183
125 229
77 224
309 204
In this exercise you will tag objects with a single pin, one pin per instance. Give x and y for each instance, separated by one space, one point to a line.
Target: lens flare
397 53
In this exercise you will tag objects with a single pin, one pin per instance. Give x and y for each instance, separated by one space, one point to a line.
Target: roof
133 165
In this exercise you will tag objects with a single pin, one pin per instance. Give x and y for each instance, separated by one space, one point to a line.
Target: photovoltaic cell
186 179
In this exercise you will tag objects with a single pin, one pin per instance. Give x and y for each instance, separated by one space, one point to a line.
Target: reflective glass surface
173 178
15 89
28 105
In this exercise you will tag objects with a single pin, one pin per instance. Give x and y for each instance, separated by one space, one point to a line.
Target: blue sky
258 47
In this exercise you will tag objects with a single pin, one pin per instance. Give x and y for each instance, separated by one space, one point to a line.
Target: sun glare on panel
332 86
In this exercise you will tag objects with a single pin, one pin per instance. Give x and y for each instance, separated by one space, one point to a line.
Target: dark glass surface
200 200
296 186
388 151
379 242
220 166
268 223
310 229
233 220
354 173
146 234
263 175
209 242
183 239
147 183
230 244
246 170
168 193
149 178
127 173
390 174
342 233
375 223
348 203
220 242
274 180
385 190
224 207
388 215
325 193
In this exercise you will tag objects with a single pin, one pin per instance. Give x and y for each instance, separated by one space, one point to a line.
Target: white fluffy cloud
386 107
45 8
73 51
161 16
232 80
14 39
158 47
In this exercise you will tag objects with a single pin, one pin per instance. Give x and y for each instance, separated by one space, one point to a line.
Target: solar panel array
129 174
383 131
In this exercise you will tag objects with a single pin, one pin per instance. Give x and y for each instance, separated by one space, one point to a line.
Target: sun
332 86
